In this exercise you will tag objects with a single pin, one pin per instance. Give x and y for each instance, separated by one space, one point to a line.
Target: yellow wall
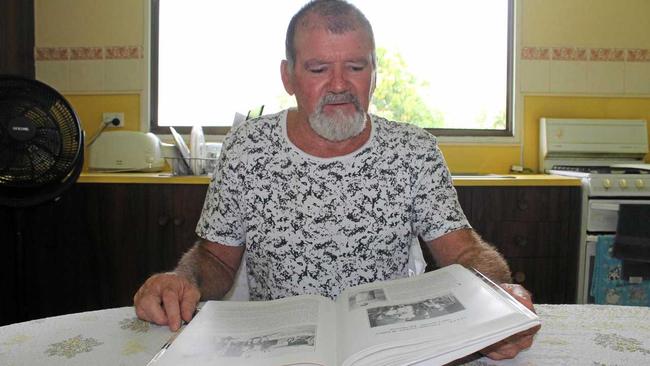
586 23
89 109
89 22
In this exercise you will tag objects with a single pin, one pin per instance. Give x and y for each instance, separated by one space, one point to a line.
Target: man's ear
287 77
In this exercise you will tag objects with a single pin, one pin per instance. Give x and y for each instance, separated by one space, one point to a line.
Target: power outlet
108 117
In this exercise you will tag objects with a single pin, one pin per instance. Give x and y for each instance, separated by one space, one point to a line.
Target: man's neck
306 139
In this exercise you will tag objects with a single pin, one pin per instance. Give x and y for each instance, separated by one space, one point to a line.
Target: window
443 65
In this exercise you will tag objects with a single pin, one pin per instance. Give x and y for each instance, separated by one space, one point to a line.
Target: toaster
127 151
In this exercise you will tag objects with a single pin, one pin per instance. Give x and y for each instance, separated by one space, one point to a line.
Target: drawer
527 239
551 280
520 203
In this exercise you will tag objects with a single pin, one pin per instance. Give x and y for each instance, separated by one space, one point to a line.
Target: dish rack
179 166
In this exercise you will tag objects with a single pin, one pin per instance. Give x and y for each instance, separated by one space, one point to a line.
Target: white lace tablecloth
598 335
570 335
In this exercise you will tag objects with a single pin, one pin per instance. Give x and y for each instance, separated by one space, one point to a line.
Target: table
570 335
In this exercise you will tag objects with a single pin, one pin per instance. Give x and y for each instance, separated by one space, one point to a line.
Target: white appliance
128 151
608 156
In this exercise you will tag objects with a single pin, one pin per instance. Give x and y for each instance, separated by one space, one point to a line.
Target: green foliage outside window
397 95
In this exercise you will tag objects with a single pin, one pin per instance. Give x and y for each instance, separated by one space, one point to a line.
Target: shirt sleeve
436 207
221 218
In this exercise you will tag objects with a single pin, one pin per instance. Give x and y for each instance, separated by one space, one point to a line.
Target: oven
600 217
609 158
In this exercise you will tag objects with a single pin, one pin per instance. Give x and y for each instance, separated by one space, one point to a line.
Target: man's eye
357 67
317 70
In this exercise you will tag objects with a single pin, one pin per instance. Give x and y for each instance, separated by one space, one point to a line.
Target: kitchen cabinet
17 38
94 246
537 231
142 229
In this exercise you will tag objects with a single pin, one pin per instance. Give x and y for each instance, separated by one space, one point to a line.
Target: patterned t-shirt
319 225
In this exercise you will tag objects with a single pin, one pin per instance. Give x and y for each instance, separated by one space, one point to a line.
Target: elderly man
324 196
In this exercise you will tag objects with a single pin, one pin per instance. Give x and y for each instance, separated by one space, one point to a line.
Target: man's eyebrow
317 62
314 62
362 61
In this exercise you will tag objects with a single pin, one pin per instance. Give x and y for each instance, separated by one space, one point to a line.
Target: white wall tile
54 73
534 76
606 77
568 77
637 78
123 75
87 75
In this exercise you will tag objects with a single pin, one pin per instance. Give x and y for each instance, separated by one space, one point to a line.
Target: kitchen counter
494 180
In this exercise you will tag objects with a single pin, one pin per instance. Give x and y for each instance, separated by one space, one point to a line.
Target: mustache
346 97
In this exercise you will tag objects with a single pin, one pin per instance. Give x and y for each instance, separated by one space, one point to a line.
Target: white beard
340 126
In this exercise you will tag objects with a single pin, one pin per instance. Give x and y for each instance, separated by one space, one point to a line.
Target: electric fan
41 142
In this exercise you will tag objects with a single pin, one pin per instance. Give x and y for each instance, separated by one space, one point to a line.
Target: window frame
461 133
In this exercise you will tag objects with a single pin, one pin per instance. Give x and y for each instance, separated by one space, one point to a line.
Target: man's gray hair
340 17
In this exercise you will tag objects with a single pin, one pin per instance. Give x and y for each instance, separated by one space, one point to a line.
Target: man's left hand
511 346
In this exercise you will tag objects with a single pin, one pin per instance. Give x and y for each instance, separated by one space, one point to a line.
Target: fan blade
48 140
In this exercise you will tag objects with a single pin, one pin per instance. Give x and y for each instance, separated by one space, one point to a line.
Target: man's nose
338 81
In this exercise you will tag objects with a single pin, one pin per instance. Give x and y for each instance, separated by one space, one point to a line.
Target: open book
430 319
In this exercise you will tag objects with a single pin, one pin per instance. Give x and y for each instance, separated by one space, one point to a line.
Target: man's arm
466 247
205 272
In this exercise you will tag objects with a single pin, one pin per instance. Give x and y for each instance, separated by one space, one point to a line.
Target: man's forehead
336 24
311 40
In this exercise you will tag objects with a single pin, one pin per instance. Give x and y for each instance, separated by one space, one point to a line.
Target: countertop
505 180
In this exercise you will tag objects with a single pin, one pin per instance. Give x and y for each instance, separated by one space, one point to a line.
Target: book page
435 312
296 330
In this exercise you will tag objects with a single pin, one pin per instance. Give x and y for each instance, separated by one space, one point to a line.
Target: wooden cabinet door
93 247
537 231
17 38
187 205
57 265
9 271
142 229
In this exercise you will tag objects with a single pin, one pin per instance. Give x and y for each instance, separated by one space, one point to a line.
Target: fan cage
57 145
43 165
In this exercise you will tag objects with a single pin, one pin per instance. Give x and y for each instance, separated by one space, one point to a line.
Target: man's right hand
165 299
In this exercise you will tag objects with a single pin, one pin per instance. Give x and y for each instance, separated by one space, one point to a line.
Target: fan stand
21 264
19 269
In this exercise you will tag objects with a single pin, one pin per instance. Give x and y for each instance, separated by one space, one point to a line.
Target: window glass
442 64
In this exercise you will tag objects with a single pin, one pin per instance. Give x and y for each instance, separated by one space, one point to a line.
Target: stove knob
639 183
607 183
622 183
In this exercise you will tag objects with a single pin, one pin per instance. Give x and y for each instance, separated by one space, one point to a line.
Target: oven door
602 214
602 219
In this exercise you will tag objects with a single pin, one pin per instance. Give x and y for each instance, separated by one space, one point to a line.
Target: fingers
170 300
521 294
147 302
190 299
164 298
511 346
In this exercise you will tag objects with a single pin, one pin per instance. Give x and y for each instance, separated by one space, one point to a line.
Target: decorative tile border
535 53
88 53
607 54
569 54
638 55
585 54
52 54
123 52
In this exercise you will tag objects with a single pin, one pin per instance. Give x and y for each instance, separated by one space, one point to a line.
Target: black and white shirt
319 225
